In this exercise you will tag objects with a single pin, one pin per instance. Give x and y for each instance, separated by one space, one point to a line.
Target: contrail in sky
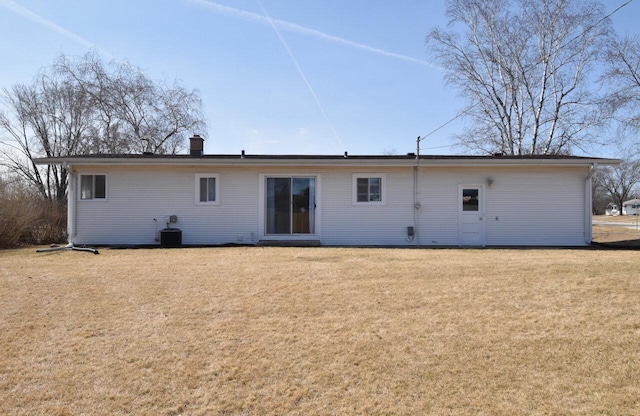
218 8
23 11
304 78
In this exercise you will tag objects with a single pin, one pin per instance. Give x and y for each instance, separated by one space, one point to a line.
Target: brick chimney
196 146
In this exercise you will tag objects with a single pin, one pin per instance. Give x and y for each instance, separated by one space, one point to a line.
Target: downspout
416 190
588 200
71 203
416 204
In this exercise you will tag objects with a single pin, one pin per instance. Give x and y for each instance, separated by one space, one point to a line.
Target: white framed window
93 187
369 188
207 189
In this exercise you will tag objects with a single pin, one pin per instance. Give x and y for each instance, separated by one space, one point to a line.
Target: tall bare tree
525 67
49 117
623 76
135 113
85 105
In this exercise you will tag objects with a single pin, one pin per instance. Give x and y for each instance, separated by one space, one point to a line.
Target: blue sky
275 76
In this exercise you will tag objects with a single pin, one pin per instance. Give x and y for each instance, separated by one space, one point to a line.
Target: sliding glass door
290 205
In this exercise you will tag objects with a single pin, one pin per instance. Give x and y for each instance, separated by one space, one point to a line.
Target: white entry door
471 215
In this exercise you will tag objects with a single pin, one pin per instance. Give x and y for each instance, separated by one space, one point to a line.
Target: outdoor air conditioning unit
171 237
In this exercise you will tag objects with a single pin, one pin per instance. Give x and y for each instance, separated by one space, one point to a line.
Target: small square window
207 189
93 187
369 189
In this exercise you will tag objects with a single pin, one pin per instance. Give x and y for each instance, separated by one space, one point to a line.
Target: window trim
93 187
199 176
383 188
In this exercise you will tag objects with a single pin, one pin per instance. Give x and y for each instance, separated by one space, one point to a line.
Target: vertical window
93 186
470 200
368 189
207 189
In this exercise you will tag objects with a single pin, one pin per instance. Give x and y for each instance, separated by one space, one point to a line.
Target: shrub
27 218
52 224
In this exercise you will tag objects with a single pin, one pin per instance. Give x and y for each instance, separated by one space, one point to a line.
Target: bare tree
620 182
525 68
84 105
623 76
136 114
49 117
600 197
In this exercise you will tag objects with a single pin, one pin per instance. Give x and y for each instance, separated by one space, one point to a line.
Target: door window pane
470 200
302 206
278 205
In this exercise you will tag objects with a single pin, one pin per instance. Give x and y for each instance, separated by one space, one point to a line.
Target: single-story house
631 207
612 210
405 200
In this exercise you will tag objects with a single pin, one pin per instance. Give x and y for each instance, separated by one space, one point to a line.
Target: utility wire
471 106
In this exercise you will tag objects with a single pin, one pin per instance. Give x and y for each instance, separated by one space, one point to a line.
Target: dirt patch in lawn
271 331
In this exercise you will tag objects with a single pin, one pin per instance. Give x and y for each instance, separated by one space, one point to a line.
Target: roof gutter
333 162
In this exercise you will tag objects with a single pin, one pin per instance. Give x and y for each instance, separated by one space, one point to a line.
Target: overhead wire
471 106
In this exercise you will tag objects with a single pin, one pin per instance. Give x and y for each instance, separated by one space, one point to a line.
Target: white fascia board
519 162
346 162
224 162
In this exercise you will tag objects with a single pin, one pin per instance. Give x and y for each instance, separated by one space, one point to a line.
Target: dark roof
326 160
409 156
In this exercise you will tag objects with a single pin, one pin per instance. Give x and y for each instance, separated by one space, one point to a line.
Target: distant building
631 207
612 210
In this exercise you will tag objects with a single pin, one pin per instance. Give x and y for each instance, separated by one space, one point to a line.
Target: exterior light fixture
489 182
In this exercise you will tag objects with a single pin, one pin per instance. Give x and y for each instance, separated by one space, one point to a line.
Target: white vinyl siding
526 206
537 208
140 200
370 224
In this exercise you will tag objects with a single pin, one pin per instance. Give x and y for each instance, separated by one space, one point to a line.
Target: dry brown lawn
617 236
629 219
301 331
